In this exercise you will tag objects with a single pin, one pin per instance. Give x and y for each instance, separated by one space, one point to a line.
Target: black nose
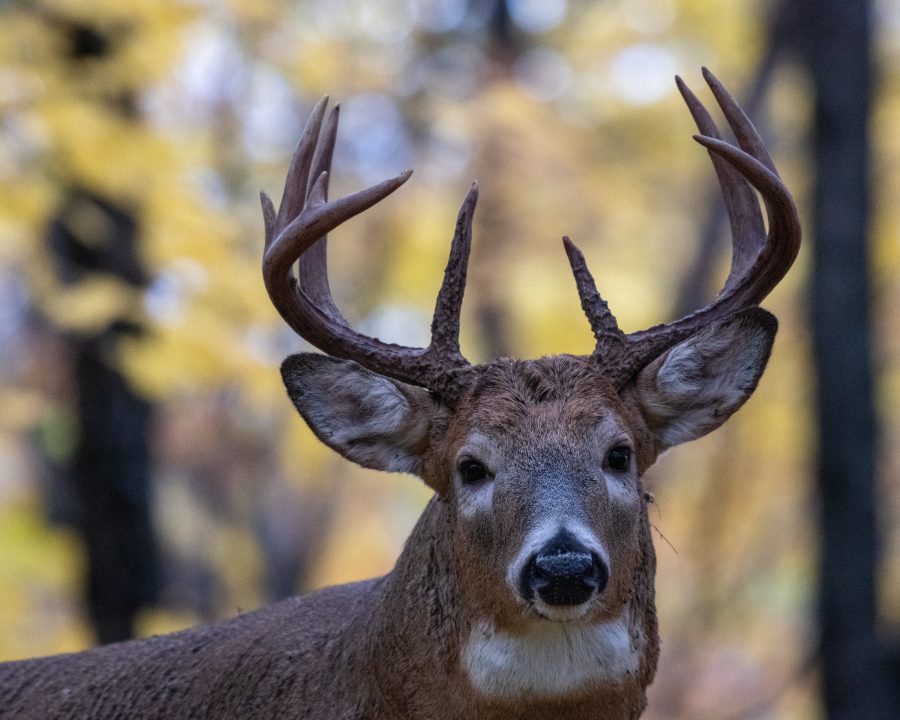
564 572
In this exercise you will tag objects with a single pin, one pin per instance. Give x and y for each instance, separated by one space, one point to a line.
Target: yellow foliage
40 569
87 138
90 305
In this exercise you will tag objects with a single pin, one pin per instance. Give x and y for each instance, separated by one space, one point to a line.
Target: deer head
539 462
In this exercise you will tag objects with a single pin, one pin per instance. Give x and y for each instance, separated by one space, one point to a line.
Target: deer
526 588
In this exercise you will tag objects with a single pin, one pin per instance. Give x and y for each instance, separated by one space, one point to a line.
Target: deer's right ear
370 419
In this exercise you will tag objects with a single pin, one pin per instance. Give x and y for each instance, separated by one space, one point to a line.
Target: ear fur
370 419
695 386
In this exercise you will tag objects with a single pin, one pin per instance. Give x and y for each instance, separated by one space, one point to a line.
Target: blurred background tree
152 473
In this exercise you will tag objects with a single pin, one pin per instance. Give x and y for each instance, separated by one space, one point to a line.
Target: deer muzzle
564 573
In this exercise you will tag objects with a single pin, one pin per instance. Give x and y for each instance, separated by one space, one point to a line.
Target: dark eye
619 458
472 471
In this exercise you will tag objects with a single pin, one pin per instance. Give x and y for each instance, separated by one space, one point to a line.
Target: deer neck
424 624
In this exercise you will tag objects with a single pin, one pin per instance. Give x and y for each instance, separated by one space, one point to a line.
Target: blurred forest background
153 473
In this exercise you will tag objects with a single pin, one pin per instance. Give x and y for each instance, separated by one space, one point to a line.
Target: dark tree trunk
109 474
858 680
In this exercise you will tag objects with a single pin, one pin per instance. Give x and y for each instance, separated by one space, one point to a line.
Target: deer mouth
560 614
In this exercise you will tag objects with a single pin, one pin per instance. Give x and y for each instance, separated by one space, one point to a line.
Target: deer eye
472 471
619 458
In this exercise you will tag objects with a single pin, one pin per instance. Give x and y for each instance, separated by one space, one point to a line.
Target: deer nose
564 572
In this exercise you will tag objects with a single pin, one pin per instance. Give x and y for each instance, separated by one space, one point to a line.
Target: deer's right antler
759 259
297 232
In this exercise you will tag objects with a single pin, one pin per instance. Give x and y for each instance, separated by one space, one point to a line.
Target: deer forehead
562 398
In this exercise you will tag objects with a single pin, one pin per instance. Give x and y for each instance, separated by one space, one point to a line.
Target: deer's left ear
371 420
695 386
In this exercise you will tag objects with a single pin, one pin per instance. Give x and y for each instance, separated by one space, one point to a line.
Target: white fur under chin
550 659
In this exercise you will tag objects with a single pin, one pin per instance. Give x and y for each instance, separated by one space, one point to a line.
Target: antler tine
324 151
269 217
747 136
296 184
603 323
760 259
297 180
753 247
445 323
781 244
741 204
312 270
297 232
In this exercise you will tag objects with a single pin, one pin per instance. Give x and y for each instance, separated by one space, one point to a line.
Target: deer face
542 473
540 461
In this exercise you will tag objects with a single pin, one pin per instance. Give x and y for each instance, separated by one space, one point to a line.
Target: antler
297 232
759 259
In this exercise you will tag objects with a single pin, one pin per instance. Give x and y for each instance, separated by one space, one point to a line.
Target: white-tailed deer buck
526 589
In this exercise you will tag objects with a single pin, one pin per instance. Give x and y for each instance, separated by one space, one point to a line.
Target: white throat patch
550 659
